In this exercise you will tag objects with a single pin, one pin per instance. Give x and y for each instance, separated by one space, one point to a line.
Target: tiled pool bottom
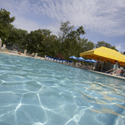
39 92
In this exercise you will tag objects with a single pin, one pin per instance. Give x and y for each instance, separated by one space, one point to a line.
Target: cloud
105 17
25 24
27 14
120 46
30 25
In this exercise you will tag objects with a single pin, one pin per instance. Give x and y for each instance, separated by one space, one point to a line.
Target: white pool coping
107 74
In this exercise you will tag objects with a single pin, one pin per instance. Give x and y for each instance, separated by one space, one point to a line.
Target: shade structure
88 60
72 57
93 61
104 54
80 59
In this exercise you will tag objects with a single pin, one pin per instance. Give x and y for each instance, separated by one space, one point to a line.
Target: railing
109 70
114 71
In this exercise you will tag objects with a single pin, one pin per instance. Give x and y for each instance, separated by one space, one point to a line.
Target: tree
71 44
17 36
64 29
53 46
123 52
5 23
38 41
113 47
85 45
102 43
34 40
88 45
46 40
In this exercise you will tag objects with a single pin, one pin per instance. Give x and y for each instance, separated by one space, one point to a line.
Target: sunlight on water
39 92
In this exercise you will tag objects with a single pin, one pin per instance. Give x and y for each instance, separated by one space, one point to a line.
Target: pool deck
23 55
107 74
102 73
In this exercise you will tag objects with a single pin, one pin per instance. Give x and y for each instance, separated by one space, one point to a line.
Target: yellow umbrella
104 54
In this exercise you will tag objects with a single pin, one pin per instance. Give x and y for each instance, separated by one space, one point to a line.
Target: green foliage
123 52
65 29
17 36
113 47
52 46
102 43
68 43
5 23
35 39
73 44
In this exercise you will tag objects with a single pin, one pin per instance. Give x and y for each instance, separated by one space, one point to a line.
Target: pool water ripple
39 92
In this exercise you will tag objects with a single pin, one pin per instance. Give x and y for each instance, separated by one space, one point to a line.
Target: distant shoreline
23 55
16 54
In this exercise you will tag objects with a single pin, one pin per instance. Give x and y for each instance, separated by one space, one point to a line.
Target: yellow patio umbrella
104 54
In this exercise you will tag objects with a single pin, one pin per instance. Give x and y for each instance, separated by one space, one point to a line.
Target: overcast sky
103 20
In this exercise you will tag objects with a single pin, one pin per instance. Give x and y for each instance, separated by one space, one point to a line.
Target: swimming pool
39 92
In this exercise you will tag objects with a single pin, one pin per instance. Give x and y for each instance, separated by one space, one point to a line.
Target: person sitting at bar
115 67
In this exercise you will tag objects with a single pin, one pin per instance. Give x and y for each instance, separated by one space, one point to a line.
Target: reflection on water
38 92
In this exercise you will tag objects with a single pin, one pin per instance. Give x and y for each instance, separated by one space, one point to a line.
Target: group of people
102 66
108 67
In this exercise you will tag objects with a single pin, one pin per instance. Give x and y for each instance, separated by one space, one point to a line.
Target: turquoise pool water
39 92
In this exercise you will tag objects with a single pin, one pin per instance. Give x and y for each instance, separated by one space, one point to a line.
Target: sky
103 20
